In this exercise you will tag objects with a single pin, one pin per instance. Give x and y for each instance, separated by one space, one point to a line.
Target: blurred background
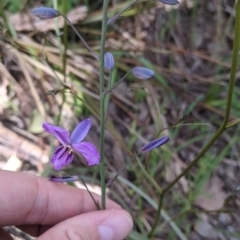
189 48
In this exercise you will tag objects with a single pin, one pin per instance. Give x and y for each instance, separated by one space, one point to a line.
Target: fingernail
116 226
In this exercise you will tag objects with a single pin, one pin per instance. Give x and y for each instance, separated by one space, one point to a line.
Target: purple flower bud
154 144
142 73
45 12
108 61
63 179
170 2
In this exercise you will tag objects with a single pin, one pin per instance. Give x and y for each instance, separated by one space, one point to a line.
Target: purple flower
142 73
63 155
170 2
45 12
154 144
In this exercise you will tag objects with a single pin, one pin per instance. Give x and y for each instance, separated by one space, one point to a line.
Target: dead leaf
212 197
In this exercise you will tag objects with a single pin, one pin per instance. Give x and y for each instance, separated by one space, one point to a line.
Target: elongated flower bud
45 12
108 61
142 73
169 2
154 144
63 179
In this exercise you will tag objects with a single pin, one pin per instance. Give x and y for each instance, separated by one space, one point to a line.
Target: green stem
65 42
156 220
64 60
108 96
228 103
102 102
57 31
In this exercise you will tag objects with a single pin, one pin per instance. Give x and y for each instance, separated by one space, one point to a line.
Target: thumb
111 224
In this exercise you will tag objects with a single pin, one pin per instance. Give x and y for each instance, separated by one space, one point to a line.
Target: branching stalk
228 103
224 124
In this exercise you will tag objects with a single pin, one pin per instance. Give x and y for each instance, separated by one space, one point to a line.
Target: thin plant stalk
117 174
90 193
102 102
121 80
65 42
108 96
80 37
64 59
156 220
57 31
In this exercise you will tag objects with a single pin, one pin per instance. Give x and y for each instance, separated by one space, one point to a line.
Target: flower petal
61 157
61 134
81 130
89 152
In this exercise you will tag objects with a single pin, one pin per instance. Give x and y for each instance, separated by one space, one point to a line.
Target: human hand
57 211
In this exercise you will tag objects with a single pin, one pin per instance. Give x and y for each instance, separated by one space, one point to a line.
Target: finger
27 199
99 225
4 235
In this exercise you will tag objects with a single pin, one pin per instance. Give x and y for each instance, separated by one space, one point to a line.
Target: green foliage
140 94
13 5
70 4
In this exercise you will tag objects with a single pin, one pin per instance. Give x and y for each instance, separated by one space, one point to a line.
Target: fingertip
110 224
116 226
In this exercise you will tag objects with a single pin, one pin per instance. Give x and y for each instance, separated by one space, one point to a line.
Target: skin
50 210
